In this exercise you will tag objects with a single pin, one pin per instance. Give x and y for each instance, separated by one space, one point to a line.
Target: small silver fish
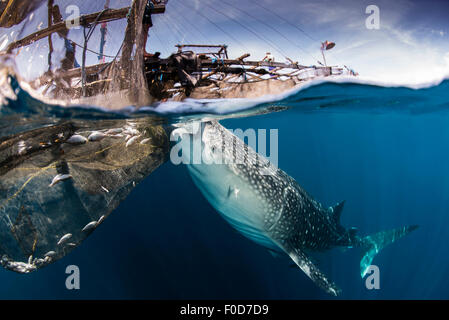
114 131
132 140
100 221
91 225
64 238
76 139
20 267
131 131
96 136
38 262
50 254
21 148
58 178
145 141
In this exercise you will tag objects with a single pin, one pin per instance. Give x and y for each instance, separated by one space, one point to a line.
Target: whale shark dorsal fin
337 209
309 268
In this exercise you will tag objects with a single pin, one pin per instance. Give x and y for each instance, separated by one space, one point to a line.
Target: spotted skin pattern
266 204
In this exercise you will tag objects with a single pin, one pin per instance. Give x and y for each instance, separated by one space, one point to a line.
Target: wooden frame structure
105 16
164 77
222 52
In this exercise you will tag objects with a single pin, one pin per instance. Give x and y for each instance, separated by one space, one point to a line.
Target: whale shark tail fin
372 244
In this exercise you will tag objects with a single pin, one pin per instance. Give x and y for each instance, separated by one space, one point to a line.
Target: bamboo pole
110 15
103 30
50 22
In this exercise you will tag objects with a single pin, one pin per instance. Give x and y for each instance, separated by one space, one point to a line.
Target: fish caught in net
59 183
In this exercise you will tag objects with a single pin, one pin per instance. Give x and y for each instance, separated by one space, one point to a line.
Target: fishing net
64 170
97 59
128 72
58 183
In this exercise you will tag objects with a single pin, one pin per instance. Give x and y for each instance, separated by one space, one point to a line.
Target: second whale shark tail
372 244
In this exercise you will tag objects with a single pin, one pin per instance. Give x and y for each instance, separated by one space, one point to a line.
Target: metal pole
324 58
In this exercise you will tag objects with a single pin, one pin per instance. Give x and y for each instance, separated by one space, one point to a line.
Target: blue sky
411 45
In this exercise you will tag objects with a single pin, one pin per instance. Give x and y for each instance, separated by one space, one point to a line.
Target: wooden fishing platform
196 70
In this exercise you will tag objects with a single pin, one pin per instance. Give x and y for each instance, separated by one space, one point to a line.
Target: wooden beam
208 62
72 73
109 15
201 46
209 74
76 72
242 57
50 23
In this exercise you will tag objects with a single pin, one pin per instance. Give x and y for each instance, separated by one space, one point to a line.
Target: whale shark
268 206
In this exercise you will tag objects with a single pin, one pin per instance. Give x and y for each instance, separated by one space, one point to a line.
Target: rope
217 26
182 15
109 63
119 49
156 34
177 34
6 10
86 40
87 49
257 3
278 49
270 27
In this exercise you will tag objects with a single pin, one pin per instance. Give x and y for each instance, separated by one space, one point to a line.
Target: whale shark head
225 170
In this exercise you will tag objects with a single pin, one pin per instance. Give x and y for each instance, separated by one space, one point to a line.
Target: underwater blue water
387 156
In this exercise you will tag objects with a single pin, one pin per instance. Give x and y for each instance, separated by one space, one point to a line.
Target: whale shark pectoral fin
309 268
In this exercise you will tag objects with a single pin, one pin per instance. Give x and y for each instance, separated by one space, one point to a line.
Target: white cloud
399 63
441 33
394 53
446 57
404 36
